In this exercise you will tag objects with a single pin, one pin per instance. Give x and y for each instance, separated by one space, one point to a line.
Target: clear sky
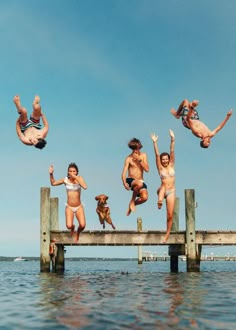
108 71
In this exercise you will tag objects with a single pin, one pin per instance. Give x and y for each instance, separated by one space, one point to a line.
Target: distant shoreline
161 258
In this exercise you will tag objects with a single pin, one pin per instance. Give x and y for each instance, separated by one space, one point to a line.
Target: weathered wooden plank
129 237
118 238
216 237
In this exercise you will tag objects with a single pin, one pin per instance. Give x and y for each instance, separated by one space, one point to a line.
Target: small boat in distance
20 259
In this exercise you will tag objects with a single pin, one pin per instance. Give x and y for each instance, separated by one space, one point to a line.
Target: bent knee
144 197
82 227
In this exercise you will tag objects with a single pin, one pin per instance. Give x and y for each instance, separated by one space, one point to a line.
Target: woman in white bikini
165 165
73 183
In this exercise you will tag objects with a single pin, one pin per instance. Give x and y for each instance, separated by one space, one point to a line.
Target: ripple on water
116 295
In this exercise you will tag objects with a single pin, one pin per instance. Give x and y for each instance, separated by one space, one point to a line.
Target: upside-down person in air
29 130
190 119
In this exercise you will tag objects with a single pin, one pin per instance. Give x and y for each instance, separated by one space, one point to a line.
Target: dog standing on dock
103 210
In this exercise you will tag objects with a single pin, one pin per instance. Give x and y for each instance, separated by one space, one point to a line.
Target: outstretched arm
222 124
154 138
21 136
172 146
52 180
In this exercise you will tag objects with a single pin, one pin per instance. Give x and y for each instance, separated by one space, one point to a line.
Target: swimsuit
170 174
184 114
30 123
72 186
130 180
73 208
169 192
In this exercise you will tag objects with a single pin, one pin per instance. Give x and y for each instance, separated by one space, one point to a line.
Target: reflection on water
115 295
62 299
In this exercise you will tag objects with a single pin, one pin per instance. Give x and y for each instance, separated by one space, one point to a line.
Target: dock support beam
54 225
177 249
44 229
140 252
60 259
193 251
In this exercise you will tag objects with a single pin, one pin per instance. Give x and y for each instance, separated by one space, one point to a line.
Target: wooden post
44 229
193 262
175 250
140 252
54 218
60 260
54 225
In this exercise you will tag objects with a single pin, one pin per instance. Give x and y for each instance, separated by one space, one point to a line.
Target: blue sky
108 71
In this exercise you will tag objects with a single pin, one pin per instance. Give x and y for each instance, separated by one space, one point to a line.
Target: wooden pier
188 242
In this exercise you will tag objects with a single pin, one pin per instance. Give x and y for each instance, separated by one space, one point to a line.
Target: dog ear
106 197
97 198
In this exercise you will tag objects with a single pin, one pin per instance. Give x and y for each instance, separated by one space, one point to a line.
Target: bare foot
166 239
129 211
159 204
36 99
76 237
131 208
16 100
174 113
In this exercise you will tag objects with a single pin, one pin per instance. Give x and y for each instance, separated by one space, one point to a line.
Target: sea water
117 294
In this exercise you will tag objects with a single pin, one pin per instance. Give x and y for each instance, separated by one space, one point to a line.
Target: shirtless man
29 131
190 119
135 164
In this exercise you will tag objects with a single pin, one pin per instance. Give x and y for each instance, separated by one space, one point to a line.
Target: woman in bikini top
165 165
73 183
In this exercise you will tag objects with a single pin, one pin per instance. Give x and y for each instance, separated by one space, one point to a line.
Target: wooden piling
54 225
54 218
193 260
44 229
140 252
177 249
60 258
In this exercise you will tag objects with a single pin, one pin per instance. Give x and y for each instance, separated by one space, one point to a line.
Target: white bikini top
71 186
164 175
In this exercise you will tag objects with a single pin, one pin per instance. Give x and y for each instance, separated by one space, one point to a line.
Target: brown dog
103 210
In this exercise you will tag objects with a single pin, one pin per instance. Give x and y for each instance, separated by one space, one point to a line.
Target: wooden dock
188 242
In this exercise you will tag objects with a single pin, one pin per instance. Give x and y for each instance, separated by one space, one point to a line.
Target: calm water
118 295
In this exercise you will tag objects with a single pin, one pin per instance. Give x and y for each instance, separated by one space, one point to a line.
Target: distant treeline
72 259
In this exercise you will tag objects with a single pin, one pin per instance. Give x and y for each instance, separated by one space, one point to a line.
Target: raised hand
154 137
